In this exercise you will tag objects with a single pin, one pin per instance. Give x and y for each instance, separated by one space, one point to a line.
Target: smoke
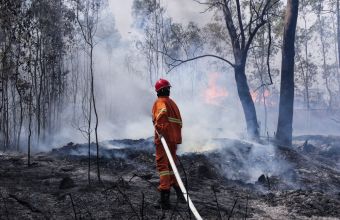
205 92
316 121
247 161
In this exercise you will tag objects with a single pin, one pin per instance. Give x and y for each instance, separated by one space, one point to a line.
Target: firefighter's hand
159 135
157 132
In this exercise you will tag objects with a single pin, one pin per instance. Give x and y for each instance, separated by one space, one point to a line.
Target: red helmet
161 83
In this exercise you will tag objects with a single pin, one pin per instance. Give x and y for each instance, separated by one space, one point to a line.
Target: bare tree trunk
330 102
14 116
338 26
94 109
20 96
261 70
6 116
88 31
29 131
337 55
89 140
307 75
284 131
4 95
20 123
324 64
265 110
246 101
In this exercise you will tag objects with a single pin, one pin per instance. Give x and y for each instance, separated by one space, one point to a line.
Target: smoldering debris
281 168
237 179
107 149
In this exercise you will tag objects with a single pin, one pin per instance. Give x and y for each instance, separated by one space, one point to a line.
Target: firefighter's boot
179 194
164 201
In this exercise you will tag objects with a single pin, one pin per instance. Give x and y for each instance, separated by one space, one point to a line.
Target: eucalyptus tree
329 67
335 21
306 68
338 41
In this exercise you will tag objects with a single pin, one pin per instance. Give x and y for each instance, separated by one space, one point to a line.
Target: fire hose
179 180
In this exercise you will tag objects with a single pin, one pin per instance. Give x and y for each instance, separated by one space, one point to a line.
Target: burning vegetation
215 93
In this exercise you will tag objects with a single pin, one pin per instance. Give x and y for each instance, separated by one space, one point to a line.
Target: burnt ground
239 180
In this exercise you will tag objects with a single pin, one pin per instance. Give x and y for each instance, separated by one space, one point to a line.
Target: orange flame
214 93
254 95
258 97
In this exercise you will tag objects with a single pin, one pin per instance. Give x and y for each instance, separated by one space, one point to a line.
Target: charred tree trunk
338 41
20 122
284 131
29 130
338 26
94 109
246 101
89 141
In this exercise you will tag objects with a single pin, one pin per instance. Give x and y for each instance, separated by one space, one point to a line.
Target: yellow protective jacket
167 120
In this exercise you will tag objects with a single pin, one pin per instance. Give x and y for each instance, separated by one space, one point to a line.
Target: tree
306 69
338 27
88 22
241 44
327 70
285 119
264 72
34 37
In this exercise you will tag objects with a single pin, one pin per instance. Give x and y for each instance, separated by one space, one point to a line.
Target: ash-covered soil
237 180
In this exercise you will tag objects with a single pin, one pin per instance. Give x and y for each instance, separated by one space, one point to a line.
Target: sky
180 10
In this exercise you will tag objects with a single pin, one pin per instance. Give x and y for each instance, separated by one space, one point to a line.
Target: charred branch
177 62
127 199
232 209
73 207
217 205
246 214
269 52
25 203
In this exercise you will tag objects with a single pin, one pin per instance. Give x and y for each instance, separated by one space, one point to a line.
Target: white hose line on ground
179 180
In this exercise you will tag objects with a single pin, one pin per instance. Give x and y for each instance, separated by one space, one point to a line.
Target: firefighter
168 123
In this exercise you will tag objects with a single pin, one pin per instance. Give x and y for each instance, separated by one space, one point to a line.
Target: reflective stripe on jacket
167 120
